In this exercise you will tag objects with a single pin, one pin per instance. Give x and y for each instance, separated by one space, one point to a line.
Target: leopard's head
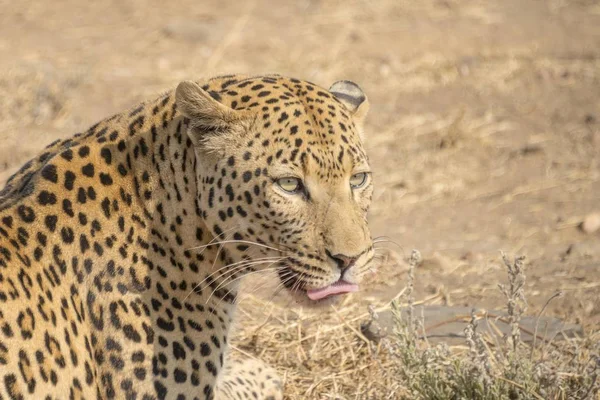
283 178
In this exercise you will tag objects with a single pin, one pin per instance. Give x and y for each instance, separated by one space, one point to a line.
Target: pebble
591 223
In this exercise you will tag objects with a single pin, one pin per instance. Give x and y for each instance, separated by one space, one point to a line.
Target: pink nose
343 262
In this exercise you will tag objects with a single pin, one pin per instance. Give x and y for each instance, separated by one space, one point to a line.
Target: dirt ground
484 133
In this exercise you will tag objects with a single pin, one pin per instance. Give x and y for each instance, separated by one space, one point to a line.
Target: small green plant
505 369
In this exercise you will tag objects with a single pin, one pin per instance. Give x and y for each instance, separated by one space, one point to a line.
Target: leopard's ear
355 100
209 119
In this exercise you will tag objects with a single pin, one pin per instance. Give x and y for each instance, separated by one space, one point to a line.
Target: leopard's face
286 183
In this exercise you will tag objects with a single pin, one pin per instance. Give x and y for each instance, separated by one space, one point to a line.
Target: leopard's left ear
355 100
210 121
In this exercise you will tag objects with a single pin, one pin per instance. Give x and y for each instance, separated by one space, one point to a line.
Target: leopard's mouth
335 289
306 293
298 287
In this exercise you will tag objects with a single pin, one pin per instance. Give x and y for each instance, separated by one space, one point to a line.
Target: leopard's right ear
211 122
354 99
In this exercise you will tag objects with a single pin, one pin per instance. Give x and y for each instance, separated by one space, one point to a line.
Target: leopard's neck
161 165
142 187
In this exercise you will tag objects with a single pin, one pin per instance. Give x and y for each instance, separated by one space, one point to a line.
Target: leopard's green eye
358 180
290 184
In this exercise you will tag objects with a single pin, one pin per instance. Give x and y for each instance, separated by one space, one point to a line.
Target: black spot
165 325
211 196
88 170
138 356
106 207
215 95
38 253
247 176
117 362
8 220
84 151
179 375
231 161
161 390
67 154
136 124
210 366
105 179
298 142
84 245
283 117
69 180
140 373
131 333
106 154
205 349
26 213
46 198
229 192
49 173
178 351
10 383
241 211
68 207
81 196
67 235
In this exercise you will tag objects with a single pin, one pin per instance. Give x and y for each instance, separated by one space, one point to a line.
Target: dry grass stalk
326 356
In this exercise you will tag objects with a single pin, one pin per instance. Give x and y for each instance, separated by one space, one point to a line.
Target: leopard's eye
358 180
290 185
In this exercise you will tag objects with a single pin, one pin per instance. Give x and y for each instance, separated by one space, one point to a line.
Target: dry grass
325 355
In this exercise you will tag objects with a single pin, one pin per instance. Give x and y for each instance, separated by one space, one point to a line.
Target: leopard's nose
343 262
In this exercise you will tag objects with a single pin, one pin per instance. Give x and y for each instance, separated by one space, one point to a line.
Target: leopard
122 247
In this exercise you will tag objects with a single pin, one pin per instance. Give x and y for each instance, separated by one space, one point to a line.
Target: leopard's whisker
243 262
376 241
228 281
285 274
213 265
222 242
226 231
237 266
266 269
281 286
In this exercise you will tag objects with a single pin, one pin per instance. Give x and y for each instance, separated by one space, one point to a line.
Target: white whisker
236 241
228 281
235 267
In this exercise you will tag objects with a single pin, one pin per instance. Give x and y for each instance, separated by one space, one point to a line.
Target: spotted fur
121 248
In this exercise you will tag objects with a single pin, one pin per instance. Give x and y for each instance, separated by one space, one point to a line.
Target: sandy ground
484 133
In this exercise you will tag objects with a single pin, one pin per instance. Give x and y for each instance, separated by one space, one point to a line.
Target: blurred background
484 132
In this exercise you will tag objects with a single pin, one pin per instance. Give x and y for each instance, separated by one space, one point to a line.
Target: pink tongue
338 287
